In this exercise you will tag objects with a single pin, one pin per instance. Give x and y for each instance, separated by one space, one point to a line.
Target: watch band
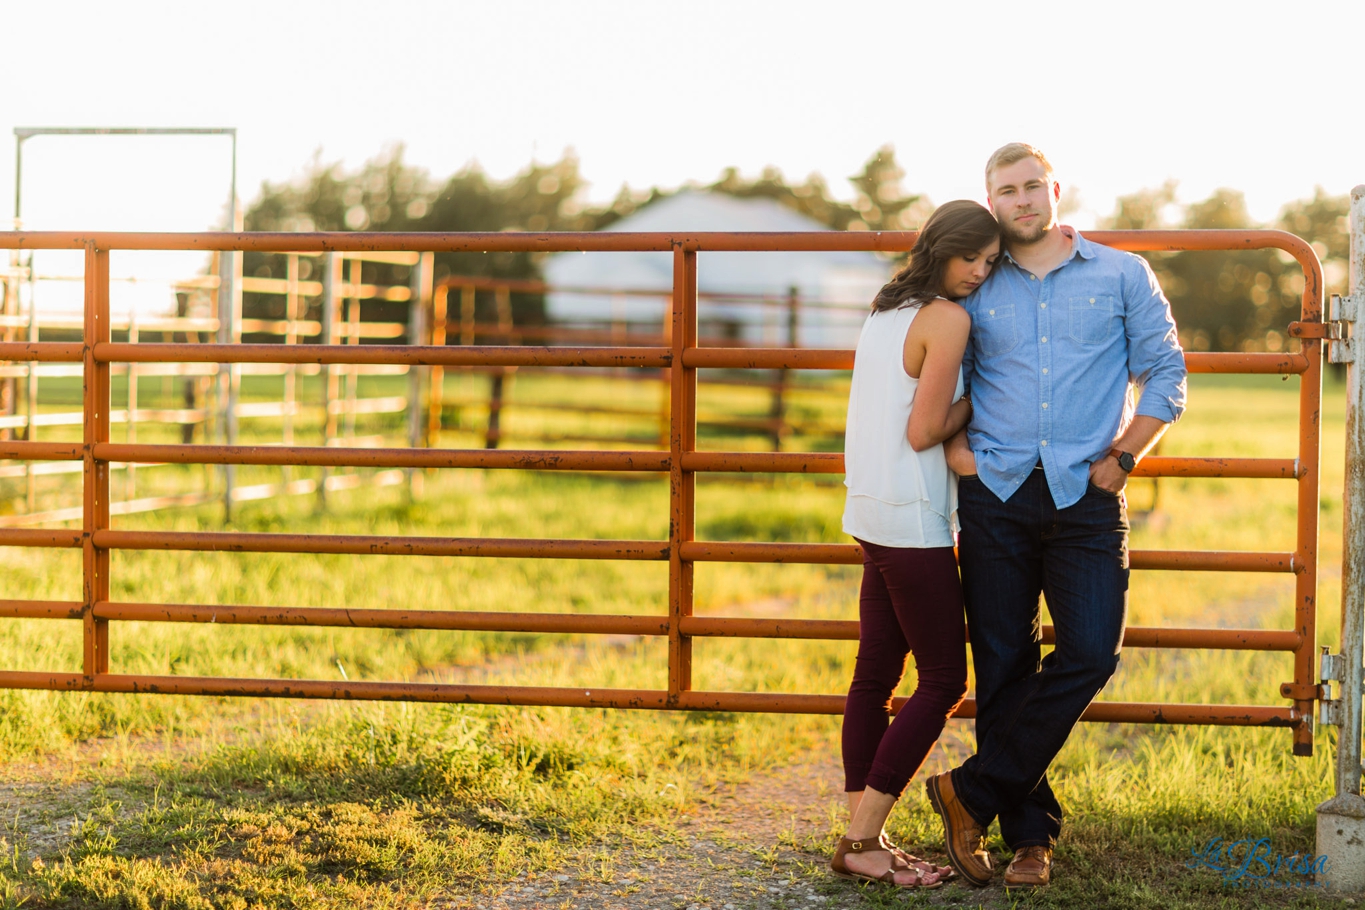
1125 460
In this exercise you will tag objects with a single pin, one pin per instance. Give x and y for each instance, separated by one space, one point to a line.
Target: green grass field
185 802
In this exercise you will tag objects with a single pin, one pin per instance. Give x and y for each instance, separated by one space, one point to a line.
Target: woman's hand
960 458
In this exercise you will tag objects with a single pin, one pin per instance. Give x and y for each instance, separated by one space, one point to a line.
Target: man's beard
1031 233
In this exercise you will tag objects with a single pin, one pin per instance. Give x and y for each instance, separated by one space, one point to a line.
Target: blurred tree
1223 301
1142 210
1228 301
881 203
387 194
1323 221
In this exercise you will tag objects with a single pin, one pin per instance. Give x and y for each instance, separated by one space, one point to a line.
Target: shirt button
1045 406
1044 339
1033 278
1044 442
1092 299
1044 371
992 312
1043 305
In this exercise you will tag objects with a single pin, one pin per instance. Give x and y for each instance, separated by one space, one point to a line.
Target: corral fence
208 308
682 357
454 319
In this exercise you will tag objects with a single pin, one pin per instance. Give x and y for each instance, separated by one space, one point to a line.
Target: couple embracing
1007 381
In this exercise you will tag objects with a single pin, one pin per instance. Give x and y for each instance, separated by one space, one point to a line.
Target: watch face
1127 462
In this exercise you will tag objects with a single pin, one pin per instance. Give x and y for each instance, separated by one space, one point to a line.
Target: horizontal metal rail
420 355
567 460
331 456
41 609
39 537
726 358
550 548
592 623
436 620
852 554
607 241
365 545
554 696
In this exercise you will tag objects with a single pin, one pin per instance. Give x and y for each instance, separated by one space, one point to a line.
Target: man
1063 332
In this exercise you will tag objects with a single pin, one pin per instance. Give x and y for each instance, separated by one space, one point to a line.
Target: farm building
744 295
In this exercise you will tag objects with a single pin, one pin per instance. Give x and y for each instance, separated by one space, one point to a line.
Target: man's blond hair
1015 151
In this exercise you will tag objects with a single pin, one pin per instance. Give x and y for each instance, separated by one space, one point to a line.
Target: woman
906 399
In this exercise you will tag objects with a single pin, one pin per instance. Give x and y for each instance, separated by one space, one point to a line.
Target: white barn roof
847 278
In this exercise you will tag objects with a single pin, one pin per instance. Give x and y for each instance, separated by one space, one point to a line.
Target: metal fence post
682 482
1341 820
95 508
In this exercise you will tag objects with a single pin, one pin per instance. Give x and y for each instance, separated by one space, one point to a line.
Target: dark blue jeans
1010 552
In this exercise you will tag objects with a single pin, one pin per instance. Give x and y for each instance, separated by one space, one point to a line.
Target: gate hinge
1330 709
1342 311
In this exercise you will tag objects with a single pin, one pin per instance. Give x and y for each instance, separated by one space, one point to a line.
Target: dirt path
762 844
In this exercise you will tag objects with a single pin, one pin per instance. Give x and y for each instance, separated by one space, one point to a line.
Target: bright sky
1247 94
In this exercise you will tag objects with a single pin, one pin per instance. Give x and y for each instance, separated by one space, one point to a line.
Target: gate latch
1341 314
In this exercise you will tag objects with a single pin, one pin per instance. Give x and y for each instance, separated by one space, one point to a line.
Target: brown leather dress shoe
1030 868
963 838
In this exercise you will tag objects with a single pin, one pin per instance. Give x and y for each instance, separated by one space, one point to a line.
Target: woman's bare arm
959 455
935 344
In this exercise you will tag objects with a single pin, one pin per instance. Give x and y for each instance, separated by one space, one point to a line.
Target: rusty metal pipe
43 351
588 697
421 355
331 456
509 241
39 537
41 451
1134 636
851 554
808 359
833 463
41 609
441 620
364 545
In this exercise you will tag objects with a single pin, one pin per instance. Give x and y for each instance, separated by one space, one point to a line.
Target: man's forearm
1141 435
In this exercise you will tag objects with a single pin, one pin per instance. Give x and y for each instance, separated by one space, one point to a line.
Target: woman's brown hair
958 228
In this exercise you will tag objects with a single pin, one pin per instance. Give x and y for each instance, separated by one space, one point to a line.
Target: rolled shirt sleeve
1156 363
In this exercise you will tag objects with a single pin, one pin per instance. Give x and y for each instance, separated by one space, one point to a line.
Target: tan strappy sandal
945 873
841 869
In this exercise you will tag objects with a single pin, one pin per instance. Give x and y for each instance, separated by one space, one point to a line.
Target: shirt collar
1079 247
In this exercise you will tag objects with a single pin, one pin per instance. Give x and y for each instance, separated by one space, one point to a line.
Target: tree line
1223 301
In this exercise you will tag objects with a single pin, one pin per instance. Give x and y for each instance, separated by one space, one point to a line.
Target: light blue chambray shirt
1053 363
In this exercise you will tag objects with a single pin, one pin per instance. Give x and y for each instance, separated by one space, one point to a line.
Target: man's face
1024 199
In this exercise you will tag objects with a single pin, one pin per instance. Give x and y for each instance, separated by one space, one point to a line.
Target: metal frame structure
682 462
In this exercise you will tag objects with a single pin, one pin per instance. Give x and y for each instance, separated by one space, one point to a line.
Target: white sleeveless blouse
897 497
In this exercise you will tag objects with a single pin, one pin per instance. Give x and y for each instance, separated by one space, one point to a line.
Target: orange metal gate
682 462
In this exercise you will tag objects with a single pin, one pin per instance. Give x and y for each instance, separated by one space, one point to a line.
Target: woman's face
964 274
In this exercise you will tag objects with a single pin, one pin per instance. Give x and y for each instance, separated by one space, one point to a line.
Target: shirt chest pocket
994 329
1092 319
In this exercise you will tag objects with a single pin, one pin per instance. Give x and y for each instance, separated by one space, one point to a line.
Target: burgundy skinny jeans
911 603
